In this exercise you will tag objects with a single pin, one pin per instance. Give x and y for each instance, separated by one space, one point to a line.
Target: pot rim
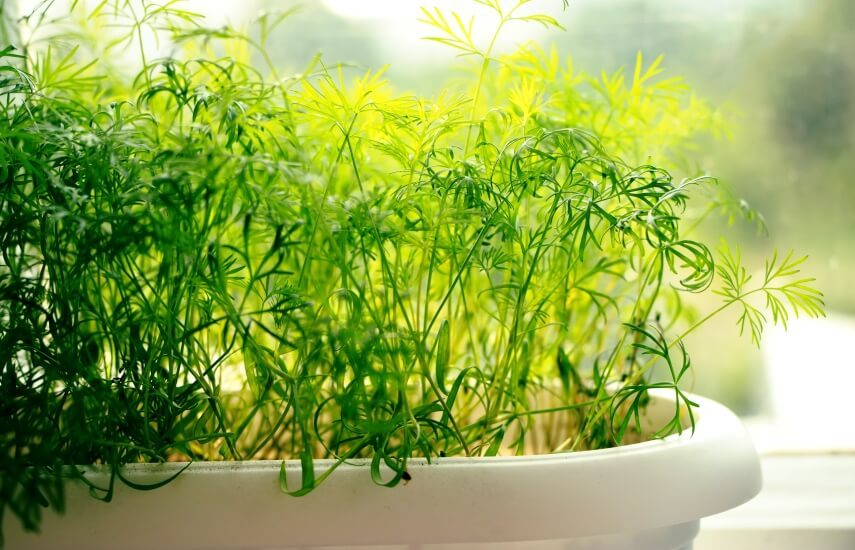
617 492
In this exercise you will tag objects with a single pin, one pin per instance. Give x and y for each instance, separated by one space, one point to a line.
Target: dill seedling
210 261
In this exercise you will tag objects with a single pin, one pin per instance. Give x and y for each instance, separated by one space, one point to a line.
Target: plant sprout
213 261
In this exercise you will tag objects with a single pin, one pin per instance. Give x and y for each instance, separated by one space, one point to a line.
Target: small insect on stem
406 477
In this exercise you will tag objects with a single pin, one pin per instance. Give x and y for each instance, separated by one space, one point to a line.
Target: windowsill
807 501
807 446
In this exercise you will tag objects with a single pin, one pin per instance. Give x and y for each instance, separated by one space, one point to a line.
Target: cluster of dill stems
215 261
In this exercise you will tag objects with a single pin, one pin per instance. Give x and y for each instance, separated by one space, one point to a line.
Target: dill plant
213 261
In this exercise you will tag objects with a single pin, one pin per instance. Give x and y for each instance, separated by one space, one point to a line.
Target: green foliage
214 263
784 292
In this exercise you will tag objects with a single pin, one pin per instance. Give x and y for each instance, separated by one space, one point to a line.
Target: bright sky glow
372 9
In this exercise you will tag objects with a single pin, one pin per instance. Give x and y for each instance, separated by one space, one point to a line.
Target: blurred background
784 73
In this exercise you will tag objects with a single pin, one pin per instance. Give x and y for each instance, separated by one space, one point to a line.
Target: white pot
647 496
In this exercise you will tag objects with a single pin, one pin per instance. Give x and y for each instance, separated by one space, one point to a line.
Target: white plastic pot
644 496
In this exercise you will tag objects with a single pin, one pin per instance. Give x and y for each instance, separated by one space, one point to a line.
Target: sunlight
371 9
